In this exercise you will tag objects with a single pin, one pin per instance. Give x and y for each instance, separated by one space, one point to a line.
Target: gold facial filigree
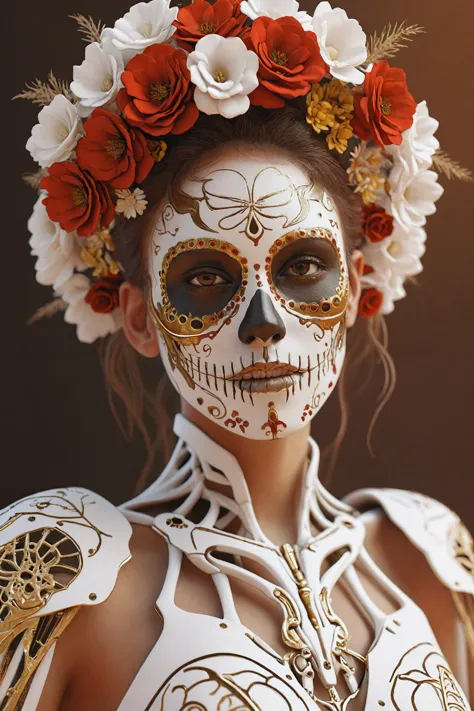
252 206
328 311
188 329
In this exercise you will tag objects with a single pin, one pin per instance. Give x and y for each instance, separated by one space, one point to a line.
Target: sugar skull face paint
249 289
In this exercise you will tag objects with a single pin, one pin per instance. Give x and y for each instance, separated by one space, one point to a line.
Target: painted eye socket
207 279
306 268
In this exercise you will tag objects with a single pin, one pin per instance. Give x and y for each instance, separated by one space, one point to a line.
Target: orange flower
199 19
370 302
158 92
386 108
113 152
103 296
76 200
376 224
290 60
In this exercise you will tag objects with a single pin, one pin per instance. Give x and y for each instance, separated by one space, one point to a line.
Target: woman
244 274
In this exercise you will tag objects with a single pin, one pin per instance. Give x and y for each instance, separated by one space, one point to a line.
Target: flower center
146 30
108 83
207 28
116 147
79 196
333 53
220 76
159 92
63 133
279 57
395 250
385 106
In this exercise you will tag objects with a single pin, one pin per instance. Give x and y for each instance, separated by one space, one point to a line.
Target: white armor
214 663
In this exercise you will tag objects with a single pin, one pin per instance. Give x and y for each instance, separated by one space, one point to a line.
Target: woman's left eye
207 279
303 268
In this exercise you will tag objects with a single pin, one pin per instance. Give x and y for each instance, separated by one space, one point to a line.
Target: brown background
57 429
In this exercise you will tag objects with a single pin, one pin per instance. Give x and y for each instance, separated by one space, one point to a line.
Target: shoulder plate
433 528
59 549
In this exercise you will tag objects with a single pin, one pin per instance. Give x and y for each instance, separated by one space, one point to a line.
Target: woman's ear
356 269
137 322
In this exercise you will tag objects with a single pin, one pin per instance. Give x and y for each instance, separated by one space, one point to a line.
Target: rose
376 223
76 200
199 19
91 325
370 302
114 152
342 42
386 108
290 60
103 295
54 137
97 80
225 73
158 93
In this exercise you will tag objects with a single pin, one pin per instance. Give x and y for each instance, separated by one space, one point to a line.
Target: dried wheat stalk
390 41
48 311
443 163
40 92
90 29
34 179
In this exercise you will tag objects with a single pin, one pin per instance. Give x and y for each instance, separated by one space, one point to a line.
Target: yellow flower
340 134
368 171
158 150
330 107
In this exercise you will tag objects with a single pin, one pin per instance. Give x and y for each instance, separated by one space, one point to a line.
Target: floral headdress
158 68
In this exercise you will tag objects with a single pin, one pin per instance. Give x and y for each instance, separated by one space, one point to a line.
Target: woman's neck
273 471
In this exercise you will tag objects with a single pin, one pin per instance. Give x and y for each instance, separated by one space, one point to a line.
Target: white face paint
249 289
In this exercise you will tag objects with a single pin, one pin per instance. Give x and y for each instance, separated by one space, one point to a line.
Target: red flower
290 60
76 200
386 108
158 92
199 19
376 223
103 296
370 302
113 152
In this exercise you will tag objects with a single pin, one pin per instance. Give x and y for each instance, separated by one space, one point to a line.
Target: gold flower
368 171
96 254
330 107
158 150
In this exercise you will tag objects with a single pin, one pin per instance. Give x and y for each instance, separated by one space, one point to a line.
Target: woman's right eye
207 279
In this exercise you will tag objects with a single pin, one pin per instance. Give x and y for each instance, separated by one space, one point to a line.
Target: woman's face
249 293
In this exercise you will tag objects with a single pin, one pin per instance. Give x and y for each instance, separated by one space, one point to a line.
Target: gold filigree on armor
464 602
423 674
329 311
253 207
188 328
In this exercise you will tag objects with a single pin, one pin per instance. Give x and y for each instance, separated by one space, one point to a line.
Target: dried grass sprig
88 27
34 179
48 311
43 92
453 170
390 41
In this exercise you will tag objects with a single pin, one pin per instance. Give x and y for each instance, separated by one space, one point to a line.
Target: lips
266 377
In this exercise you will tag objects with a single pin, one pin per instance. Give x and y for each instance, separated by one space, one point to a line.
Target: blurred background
57 428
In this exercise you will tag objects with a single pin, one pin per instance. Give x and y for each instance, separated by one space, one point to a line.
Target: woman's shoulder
427 525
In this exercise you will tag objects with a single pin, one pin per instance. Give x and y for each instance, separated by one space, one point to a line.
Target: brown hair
284 131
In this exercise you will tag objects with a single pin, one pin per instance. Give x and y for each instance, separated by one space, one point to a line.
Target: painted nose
261 321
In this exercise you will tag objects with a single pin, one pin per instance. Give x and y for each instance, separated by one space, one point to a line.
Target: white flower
224 72
90 325
342 42
419 143
131 203
413 195
97 79
397 255
276 9
58 252
390 285
145 24
56 134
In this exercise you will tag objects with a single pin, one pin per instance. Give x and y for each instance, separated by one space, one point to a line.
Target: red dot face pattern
242 228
